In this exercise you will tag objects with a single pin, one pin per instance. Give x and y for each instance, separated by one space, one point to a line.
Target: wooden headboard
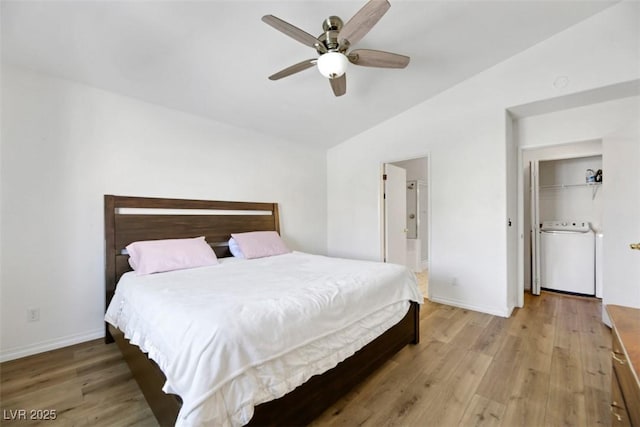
131 219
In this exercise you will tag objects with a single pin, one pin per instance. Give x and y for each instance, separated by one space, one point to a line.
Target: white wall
416 168
65 145
513 267
464 131
586 123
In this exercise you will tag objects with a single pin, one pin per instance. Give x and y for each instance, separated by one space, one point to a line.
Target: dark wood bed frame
300 406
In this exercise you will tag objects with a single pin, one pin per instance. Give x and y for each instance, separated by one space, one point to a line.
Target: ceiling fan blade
293 69
378 58
292 31
339 85
362 22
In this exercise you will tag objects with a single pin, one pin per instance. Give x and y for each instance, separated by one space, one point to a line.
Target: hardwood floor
548 364
86 384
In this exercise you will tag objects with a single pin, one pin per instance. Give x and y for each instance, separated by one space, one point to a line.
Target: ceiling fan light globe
332 64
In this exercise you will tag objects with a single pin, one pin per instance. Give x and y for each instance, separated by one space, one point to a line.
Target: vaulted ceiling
212 58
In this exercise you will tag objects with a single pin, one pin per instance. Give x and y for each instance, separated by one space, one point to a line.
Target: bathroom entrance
417 216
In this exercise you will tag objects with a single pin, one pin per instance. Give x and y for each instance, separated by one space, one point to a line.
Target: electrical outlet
454 281
33 314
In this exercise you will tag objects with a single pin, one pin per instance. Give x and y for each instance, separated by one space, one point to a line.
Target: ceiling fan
334 43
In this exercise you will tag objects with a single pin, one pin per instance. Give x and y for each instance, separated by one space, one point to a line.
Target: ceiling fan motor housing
331 26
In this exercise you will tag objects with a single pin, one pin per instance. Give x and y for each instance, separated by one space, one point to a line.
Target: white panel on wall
65 145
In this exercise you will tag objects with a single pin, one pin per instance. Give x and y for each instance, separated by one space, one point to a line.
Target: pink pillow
155 256
259 244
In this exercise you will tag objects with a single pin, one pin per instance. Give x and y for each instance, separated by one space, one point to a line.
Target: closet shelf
591 184
594 187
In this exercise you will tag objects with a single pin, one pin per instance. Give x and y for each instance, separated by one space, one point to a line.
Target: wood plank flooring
546 365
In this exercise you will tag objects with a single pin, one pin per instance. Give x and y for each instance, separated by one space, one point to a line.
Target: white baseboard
496 312
41 347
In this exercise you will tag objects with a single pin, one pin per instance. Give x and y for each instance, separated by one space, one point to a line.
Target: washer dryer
567 257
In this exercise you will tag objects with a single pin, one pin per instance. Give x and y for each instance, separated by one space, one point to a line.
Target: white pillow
259 244
234 248
155 256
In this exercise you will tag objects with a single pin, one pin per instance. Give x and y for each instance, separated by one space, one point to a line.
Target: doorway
564 208
414 207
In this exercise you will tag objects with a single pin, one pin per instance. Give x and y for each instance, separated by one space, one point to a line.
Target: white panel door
621 217
535 227
395 214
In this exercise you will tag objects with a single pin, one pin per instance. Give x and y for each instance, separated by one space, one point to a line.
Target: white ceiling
212 58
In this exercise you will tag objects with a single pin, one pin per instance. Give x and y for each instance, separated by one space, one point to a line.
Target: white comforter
237 334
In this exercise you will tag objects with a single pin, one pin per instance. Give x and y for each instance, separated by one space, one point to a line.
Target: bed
129 219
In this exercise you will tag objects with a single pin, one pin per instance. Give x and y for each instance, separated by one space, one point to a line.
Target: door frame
534 224
523 192
381 221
